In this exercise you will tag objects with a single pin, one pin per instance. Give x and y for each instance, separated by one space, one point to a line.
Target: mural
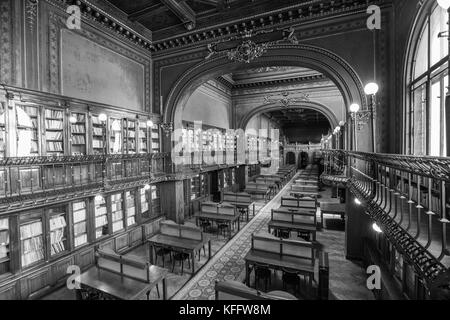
95 73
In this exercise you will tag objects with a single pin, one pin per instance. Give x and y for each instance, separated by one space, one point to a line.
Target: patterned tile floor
347 279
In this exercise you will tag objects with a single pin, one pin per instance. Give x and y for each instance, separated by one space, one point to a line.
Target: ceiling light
444 4
357 201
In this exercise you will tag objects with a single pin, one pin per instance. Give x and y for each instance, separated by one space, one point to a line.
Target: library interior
224 150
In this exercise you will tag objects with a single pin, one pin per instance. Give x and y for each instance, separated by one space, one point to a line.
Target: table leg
151 252
247 274
164 289
239 226
209 250
193 262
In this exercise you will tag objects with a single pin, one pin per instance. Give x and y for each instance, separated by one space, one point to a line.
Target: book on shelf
78 140
98 233
4 237
101 221
54 114
118 215
79 215
31 230
54 135
131 221
80 240
54 124
78 129
57 223
117 226
79 228
78 205
54 146
131 211
97 144
32 257
99 211
32 244
97 131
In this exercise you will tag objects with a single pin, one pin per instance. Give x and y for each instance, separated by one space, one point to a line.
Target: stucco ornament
247 51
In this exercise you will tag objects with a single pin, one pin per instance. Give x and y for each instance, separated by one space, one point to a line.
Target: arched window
427 85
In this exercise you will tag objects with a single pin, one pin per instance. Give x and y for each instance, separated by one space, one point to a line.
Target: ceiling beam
182 10
147 11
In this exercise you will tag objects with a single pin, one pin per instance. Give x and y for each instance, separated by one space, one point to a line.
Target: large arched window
427 85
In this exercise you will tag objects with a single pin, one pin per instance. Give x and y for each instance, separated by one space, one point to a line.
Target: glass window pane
419 124
435 120
439 45
421 58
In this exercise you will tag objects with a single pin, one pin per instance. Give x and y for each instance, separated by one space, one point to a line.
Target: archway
324 61
331 117
290 158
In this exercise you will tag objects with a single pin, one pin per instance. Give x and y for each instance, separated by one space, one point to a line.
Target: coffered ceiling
167 18
294 117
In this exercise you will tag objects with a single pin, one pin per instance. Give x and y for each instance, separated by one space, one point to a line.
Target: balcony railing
30 181
408 197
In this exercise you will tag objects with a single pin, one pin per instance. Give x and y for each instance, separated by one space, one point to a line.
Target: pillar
172 201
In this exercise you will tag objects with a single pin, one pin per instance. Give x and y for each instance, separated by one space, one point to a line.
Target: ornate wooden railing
30 181
408 197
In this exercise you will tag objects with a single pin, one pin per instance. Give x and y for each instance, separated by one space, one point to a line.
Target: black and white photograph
224 159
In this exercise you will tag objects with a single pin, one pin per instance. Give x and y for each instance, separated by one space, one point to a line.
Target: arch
291 158
331 117
324 61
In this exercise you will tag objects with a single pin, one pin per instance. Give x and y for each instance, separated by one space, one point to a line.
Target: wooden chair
162 252
262 272
291 278
180 256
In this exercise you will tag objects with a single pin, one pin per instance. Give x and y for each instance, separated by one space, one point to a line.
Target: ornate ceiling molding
279 19
285 100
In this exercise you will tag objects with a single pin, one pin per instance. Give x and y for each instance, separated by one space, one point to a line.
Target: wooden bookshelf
143 194
115 136
156 147
79 218
27 128
4 246
143 137
98 135
78 134
130 136
156 201
32 242
130 205
57 230
2 135
117 212
54 132
101 217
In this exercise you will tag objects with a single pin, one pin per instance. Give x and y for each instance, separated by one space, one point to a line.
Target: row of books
31 230
79 228
32 244
80 240
97 131
98 144
78 140
4 237
131 221
57 247
57 223
79 205
32 257
100 211
54 135
101 221
117 215
4 251
54 146
54 124
77 128
54 114
117 226
79 216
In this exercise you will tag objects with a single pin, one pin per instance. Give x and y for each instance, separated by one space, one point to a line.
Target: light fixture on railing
376 228
358 202
102 117
147 187
371 89
444 4
360 117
